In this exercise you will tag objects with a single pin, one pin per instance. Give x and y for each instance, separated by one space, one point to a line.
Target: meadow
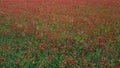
59 33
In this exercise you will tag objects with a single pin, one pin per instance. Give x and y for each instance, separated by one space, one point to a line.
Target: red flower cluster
69 60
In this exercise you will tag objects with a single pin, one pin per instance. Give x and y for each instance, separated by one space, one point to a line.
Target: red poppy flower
32 25
115 66
2 60
41 47
71 39
18 62
101 41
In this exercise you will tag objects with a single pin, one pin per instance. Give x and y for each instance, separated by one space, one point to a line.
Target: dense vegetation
59 34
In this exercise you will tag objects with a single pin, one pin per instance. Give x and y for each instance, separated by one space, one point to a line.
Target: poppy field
59 33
